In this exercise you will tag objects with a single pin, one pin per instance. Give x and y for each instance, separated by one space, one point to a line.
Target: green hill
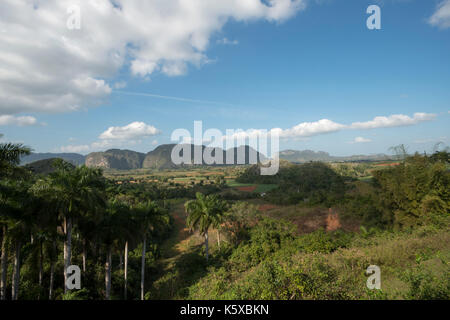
160 158
73 158
44 166
115 159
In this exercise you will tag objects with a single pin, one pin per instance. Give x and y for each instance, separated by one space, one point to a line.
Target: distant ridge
74 158
160 157
309 155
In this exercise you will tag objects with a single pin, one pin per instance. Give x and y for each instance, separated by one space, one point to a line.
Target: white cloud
45 67
301 131
308 129
134 131
360 140
441 17
395 120
21 121
226 41
117 137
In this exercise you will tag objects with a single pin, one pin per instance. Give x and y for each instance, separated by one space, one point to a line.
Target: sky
85 76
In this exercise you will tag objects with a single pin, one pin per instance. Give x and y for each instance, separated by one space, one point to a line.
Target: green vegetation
308 232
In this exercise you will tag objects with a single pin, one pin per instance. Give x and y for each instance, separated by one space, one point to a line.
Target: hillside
160 158
44 166
115 159
74 158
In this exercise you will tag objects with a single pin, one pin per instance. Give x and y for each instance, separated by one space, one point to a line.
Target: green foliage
81 294
424 285
416 192
325 242
238 221
311 183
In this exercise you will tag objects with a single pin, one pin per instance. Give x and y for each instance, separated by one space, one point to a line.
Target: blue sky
311 62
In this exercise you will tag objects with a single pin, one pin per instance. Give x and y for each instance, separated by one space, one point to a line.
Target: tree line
71 215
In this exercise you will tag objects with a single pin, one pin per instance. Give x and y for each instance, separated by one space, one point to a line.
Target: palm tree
148 216
74 190
45 224
204 212
112 230
20 225
10 154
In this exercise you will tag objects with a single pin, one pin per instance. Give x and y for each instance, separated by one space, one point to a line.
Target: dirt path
174 245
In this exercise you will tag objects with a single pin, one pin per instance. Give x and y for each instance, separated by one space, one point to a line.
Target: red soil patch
323 219
247 189
333 222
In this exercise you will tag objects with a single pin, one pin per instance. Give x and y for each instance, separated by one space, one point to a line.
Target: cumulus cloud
441 17
133 131
302 130
116 137
46 67
395 120
308 129
305 130
21 121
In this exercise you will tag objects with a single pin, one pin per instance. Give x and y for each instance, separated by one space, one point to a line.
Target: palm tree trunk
206 246
108 275
218 237
41 268
67 248
4 266
125 274
84 255
52 280
16 273
143 267
52 272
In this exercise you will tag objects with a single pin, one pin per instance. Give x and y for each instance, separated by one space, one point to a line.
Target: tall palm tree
10 154
148 217
204 212
112 229
127 235
74 190
20 226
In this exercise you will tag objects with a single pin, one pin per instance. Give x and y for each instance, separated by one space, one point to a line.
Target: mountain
44 166
115 159
308 155
161 157
74 158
